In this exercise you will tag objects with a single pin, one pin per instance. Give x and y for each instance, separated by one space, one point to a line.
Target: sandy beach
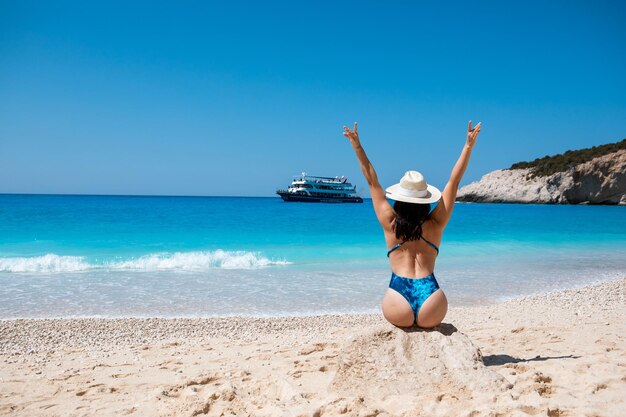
561 354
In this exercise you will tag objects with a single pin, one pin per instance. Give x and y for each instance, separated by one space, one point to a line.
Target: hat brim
432 196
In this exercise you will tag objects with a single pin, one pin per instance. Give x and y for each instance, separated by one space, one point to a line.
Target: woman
413 235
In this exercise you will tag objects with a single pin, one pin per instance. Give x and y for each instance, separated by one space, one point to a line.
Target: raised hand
353 135
472 134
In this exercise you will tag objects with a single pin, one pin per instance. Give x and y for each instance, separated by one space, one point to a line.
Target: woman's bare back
415 260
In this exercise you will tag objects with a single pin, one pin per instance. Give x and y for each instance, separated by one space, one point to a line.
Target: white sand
561 354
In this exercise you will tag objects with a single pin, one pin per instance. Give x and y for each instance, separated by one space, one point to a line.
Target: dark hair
409 220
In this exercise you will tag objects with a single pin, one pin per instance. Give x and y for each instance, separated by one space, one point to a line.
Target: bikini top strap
431 244
394 248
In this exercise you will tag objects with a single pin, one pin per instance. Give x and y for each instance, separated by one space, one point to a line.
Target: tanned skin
414 259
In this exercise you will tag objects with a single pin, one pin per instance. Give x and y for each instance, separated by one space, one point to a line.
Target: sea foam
182 261
200 260
46 263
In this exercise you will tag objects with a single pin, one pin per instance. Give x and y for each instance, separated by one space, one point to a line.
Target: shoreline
226 326
560 354
308 315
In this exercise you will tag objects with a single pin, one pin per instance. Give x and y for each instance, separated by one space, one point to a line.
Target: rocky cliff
601 180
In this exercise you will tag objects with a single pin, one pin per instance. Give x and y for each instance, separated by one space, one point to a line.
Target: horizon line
145 195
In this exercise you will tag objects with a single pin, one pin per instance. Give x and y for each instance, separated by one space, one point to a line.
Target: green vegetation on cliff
548 165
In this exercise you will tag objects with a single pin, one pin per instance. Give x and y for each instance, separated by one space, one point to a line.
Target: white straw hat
413 188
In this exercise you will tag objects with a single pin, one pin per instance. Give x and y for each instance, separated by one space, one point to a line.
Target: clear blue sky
233 98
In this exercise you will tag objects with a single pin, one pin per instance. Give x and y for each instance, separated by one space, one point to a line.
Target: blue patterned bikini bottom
414 290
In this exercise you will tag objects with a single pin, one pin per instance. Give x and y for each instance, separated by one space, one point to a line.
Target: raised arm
443 211
384 211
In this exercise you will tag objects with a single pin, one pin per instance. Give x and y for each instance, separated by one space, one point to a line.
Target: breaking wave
166 261
46 263
194 261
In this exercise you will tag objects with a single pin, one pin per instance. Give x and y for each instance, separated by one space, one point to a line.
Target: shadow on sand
448 329
494 360
445 329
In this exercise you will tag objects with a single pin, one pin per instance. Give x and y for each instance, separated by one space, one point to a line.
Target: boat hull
291 197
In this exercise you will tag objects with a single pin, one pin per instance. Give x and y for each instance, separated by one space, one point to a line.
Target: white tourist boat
308 188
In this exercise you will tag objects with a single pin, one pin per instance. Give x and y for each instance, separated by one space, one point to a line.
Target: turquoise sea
122 256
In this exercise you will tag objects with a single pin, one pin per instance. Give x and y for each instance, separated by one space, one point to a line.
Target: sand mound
409 368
